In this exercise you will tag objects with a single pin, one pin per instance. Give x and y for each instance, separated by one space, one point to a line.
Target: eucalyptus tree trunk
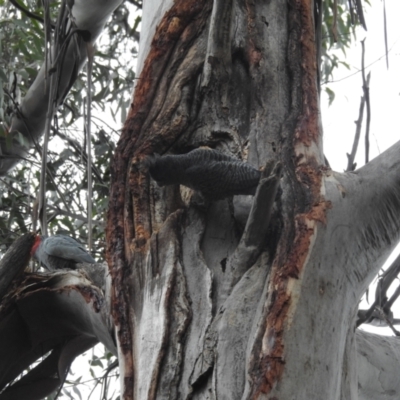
202 311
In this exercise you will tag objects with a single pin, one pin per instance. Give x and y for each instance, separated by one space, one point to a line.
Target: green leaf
76 390
331 94
3 75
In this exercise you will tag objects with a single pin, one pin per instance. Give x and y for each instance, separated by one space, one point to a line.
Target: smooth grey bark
361 230
87 16
286 329
378 359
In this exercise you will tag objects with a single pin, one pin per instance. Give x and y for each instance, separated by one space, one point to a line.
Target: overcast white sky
338 119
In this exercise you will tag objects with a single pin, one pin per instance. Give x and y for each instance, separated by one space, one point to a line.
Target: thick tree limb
30 119
378 360
366 214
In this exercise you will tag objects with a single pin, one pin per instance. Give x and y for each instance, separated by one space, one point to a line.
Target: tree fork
252 92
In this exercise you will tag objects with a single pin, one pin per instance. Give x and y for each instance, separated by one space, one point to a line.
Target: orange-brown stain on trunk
309 174
307 130
272 360
128 181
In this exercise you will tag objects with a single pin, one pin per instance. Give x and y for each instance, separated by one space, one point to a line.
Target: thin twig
369 65
80 150
385 318
136 3
380 294
90 52
334 24
351 165
367 101
360 14
385 34
29 13
351 12
390 302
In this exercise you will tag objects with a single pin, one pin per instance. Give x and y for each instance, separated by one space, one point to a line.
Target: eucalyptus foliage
22 53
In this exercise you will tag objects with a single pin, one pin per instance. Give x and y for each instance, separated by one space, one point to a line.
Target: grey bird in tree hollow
214 174
60 252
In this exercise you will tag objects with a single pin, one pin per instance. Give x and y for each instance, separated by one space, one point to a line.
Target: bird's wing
67 248
222 178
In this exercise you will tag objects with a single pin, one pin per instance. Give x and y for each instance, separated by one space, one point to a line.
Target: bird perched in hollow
59 252
214 174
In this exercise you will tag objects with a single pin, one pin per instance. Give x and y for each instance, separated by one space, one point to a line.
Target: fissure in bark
232 298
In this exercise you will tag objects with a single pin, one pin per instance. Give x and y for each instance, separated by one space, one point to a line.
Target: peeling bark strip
219 55
161 311
173 38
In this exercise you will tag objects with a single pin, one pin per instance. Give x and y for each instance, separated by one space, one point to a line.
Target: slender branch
369 211
33 106
136 3
29 13
351 165
351 12
90 51
392 299
367 101
80 150
383 286
385 33
384 317
334 24
57 210
78 217
360 13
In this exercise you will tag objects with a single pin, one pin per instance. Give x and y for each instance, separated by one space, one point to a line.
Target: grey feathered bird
211 172
60 252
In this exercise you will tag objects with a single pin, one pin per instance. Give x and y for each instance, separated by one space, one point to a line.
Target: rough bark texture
240 77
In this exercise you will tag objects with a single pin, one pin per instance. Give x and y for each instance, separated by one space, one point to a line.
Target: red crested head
36 244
